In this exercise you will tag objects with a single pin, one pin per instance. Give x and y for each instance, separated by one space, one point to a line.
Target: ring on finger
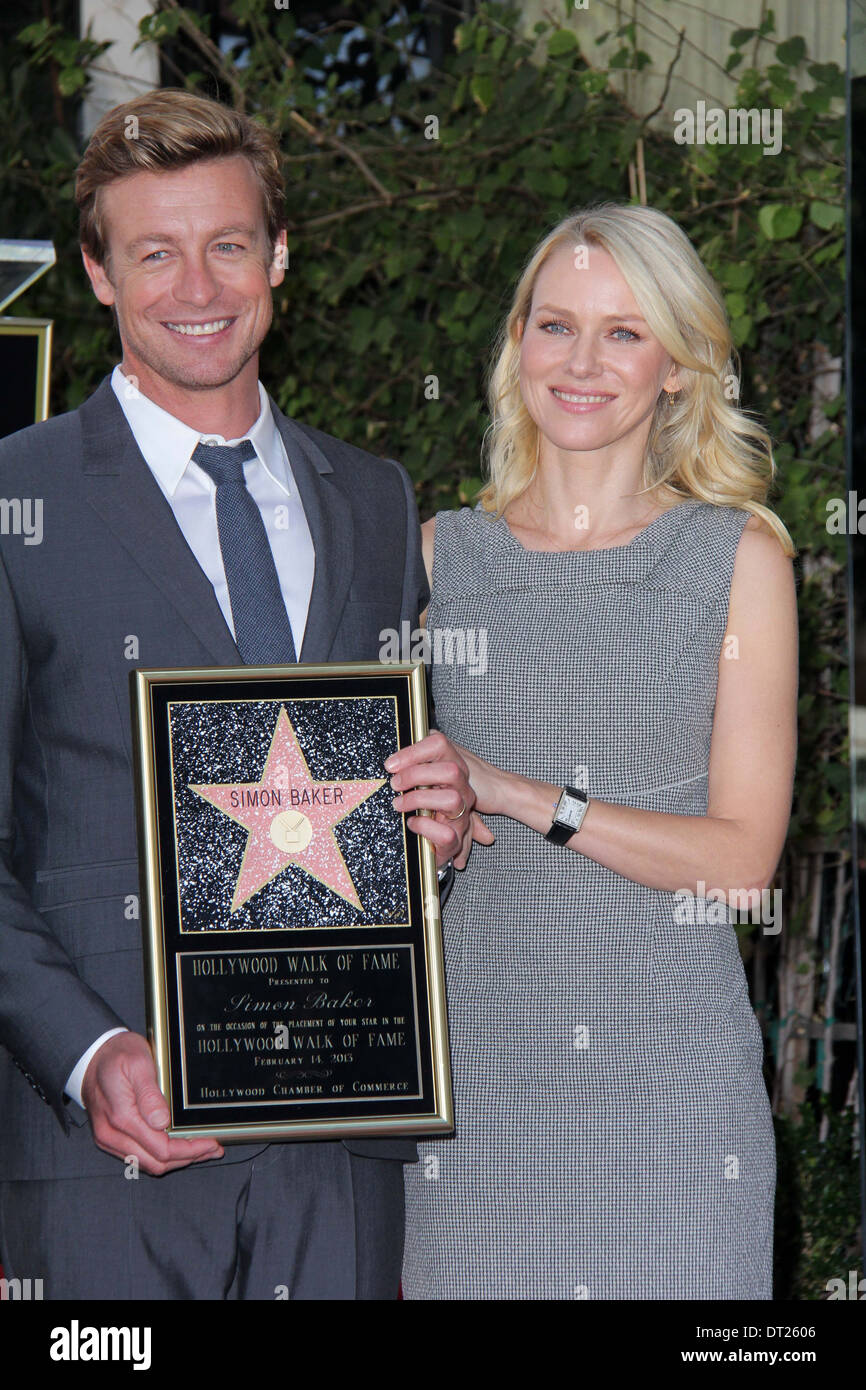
461 813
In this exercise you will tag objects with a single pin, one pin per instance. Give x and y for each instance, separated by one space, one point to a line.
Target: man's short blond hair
170 129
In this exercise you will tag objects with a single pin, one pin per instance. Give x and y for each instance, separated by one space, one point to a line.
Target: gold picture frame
36 336
292 934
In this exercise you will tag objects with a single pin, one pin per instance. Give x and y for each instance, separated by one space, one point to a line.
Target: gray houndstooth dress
613 1131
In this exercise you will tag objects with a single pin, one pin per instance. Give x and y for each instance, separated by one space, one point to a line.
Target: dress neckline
639 539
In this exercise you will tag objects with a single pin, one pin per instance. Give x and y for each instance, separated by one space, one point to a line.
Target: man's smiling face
189 271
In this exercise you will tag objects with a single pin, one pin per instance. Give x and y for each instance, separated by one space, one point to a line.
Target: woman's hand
436 775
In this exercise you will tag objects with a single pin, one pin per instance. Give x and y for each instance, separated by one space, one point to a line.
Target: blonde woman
631 746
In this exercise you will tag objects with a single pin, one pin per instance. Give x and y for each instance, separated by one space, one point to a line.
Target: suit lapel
329 518
121 488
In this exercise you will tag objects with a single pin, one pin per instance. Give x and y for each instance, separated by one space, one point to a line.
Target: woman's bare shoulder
759 545
428 533
763 578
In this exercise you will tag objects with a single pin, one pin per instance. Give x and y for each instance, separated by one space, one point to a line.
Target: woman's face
590 369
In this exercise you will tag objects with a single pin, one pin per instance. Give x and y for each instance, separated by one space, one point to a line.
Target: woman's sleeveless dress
613 1132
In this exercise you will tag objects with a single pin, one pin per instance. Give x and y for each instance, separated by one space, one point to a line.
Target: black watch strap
446 881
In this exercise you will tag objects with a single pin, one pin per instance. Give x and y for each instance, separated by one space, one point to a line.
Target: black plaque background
283 690
19 372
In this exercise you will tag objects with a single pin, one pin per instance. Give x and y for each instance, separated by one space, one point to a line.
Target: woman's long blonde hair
701 444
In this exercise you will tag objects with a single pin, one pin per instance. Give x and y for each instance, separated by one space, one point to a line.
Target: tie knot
224 462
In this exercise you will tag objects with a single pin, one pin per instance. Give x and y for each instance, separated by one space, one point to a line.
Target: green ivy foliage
817 1203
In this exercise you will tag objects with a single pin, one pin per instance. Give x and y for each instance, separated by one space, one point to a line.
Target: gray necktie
263 633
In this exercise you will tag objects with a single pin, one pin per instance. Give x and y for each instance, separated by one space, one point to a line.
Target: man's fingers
131 1094
120 1146
128 1112
153 1156
152 1106
128 1131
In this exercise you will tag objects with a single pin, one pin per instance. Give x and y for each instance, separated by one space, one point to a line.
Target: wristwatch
568 816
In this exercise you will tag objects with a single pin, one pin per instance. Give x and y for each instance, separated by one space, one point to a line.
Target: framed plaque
292 935
25 369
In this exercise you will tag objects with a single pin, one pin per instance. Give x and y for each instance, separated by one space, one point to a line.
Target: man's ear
277 271
99 281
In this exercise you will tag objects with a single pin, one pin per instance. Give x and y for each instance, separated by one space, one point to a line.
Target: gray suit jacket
113 564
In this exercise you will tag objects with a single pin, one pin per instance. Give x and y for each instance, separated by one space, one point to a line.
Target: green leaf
782 87
819 100
466 303
561 42
825 215
824 72
483 91
547 182
741 36
71 80
736 304
779 221
737 275
363 322
592 82
791 52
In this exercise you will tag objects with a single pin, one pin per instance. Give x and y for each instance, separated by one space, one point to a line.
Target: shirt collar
167 444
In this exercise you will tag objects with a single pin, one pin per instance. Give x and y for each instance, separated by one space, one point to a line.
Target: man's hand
433 774
129 1113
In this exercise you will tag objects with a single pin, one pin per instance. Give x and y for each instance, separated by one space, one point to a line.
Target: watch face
570 812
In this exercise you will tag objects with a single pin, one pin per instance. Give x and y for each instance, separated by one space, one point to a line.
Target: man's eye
229 246
152 255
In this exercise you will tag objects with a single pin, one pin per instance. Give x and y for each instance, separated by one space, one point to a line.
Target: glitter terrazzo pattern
228 742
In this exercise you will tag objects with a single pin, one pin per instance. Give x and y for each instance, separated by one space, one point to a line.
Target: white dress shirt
167 445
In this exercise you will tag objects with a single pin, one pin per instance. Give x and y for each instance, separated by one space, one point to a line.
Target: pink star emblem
290 818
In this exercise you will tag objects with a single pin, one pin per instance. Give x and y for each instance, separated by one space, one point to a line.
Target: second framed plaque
293 946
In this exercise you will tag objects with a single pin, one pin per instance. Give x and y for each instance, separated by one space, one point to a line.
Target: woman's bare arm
737 845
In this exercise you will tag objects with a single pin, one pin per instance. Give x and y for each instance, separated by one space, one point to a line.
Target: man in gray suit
186 522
